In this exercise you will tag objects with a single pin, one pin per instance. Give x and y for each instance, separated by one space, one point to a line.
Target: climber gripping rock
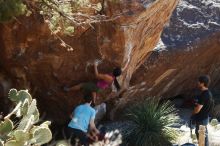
104 82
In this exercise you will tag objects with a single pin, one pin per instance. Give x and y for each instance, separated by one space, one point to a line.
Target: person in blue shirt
82 121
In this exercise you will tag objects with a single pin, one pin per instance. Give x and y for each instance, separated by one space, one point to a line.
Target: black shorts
78 134
90 87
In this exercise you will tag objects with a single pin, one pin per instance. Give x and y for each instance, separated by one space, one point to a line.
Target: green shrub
10 9
25 132
150 124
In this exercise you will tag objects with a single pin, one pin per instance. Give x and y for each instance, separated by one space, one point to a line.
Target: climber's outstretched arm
100 76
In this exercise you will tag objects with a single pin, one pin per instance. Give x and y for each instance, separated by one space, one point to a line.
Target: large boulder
34 59
175 73
188 48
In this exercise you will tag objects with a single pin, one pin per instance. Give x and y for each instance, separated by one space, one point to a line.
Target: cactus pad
17 96
45 124
42 135
24 107
32 110
13 143
6 127
26 133
12 95
23 94
23 123
21 136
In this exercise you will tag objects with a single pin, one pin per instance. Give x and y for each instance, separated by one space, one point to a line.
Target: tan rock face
32 58
173 73
167 74
170 73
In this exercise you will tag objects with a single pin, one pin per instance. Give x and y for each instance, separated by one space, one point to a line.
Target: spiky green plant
150 124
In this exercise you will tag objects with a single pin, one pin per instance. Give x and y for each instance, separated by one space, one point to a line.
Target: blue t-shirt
81 117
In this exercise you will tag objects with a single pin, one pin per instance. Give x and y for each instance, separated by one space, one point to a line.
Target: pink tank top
103 84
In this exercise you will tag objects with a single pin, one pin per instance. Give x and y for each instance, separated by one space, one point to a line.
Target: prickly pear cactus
41 135
17 96
32 110
21 135
5 128
23 94
12 95
24 107
25 133
46 124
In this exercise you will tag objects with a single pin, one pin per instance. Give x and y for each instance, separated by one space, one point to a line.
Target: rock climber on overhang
104 82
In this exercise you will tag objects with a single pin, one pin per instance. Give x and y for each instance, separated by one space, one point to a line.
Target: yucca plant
150 124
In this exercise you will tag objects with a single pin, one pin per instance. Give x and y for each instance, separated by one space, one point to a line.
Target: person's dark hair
88 97
117 72
204 79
